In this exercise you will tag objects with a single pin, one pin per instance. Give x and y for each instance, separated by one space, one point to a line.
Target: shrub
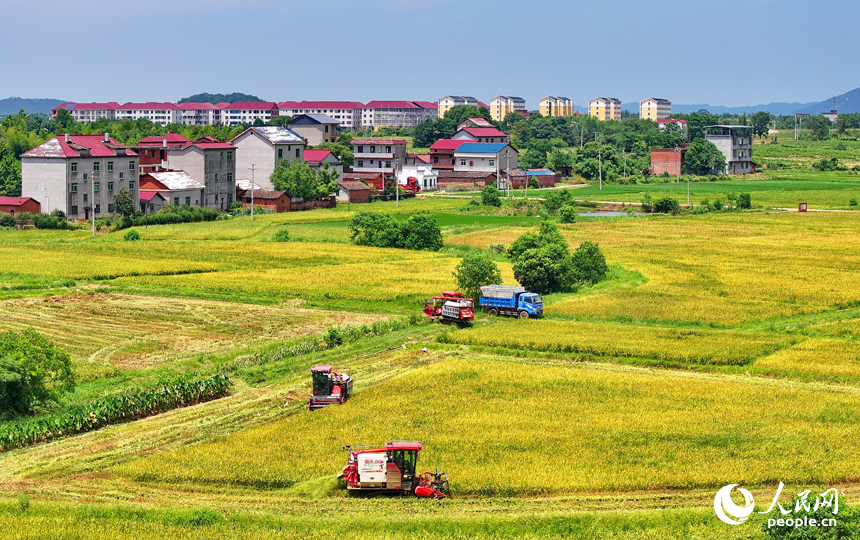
236 205
744 201
589 264
667 205
381 230
32 372
567 214
474 271
497 248
58 213
490 196
421 233
546 269
556 199
131 235
281 236
7 220
718 205
852 202
533 183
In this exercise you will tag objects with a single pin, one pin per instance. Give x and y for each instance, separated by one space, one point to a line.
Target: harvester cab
329 386
451 307
391 469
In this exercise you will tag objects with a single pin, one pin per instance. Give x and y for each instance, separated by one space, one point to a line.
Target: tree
703 158
124 203
300 180
280 121
667 205
10 174
343 152
431 130
490 196
459 113
589 264
32 372
474 271
744 201
760 123
556 199
374 229
421 233
567 214
559 159
546 269
819 127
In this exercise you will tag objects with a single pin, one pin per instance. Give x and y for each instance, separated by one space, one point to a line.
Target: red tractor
391 470
330 386
451 307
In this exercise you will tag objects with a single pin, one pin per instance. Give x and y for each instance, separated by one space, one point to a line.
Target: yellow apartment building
556 106
605 108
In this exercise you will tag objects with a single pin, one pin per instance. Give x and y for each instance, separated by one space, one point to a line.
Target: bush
556 199
744 201
567 214
7 220
131 235
589 264
170 215
57 213
490 196
852 202
546 269
533 183
32 372
501 249
421 233
718 205
667 205
381 230
236 205
281 236
474 271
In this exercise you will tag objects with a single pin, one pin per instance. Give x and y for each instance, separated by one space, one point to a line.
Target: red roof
447 144
147 106
316 155
192 105
374 141
670 120
482 104
320 105
427 104
484 132
147 196
423 158
171 138
391 105
253 105
480 122
57 147
92 106
14 201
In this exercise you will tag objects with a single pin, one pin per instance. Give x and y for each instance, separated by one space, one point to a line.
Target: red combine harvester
451 307
411 184
330 386
391 470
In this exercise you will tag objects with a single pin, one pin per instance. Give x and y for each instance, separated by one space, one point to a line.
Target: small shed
353 191
151 201
16 205
276 201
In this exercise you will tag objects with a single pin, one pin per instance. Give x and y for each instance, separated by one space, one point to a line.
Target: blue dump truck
511 301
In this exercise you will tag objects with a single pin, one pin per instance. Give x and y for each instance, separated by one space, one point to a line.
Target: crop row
156 399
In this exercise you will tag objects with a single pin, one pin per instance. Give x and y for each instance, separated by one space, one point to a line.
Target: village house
353 191
347 113
481 134
177 187
484 157
259 149
315 128
442 153
16 205
383 156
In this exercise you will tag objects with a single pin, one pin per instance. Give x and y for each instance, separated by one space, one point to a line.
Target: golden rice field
686 346
826 356
505 428
724 269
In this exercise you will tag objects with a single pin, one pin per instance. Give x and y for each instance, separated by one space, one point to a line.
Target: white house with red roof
177 187
442 153
347 113
79 174
208 161
475 122
316 158
481 134
260 149
381 156
397 113
88 112
680 124
233 114
157 113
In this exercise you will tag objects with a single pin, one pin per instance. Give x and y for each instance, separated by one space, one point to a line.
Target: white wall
44 179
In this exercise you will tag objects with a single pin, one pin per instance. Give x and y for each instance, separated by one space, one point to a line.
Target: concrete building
316 128
177 187
199 114
501 106
448 102
475 122
482 134
378 156
378 114
833 116
157 113
207 160
347 113
442 153
259 149
605 108
555 106
319 158
247 112
484 157
667 161
673 123
655 108
735 142
422 173
79 174
88 112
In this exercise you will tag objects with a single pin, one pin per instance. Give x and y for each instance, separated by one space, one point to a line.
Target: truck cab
531 303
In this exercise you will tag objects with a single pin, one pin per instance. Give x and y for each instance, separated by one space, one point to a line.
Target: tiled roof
91 106
365 175
539 172
14 201
264 194
427 104
147 106
313 119
464 174
484 132
321 105
447 144
480 122
352 185
251 105
59 148
147 196
316 155
158 140
245 184
176 180
670 120
480 148
424 158
192 106
391 105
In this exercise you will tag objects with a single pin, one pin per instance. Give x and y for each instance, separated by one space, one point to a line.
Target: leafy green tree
567 214
667 205
421 233
760 123
33 371
560 158
280 120
431 130
474 271
589 264
299 180
546 269
490 196
374 229
556 199
819 127
124 203
703 158
10 174
342 151
459 113
64 122
744 201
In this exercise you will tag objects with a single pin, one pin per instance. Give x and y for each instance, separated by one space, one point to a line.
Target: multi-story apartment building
79 174
377 156
208 161
260 149
88 112
200 114
501 106
605 108
157 113
348 113
735 142
247 112
447 102
655 108
556 106
378 114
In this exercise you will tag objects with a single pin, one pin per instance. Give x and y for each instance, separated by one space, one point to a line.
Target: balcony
374 155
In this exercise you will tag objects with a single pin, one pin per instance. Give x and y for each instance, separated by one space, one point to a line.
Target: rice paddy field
723 348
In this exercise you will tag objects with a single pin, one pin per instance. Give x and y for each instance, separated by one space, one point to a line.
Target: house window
131 165
229 199
280 153
297 152
326 129
175 201
110 165
97 186
85 177
110 186
85 197
463 162
188 201
74 210
131 185
110 208
95 166
216 177
360 149
388 164
492 163
372 149
73 188
74 167
361 163
121 176
229 156
435 159
387 149
229 177
98 209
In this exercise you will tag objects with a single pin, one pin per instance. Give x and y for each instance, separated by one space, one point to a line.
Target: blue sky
721 52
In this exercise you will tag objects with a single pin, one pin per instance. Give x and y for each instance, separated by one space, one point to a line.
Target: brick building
667 160
16 205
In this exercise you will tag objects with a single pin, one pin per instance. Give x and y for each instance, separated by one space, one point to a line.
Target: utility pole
625 166
253 168
599 165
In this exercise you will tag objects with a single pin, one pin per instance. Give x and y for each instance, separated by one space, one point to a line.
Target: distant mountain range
14 104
